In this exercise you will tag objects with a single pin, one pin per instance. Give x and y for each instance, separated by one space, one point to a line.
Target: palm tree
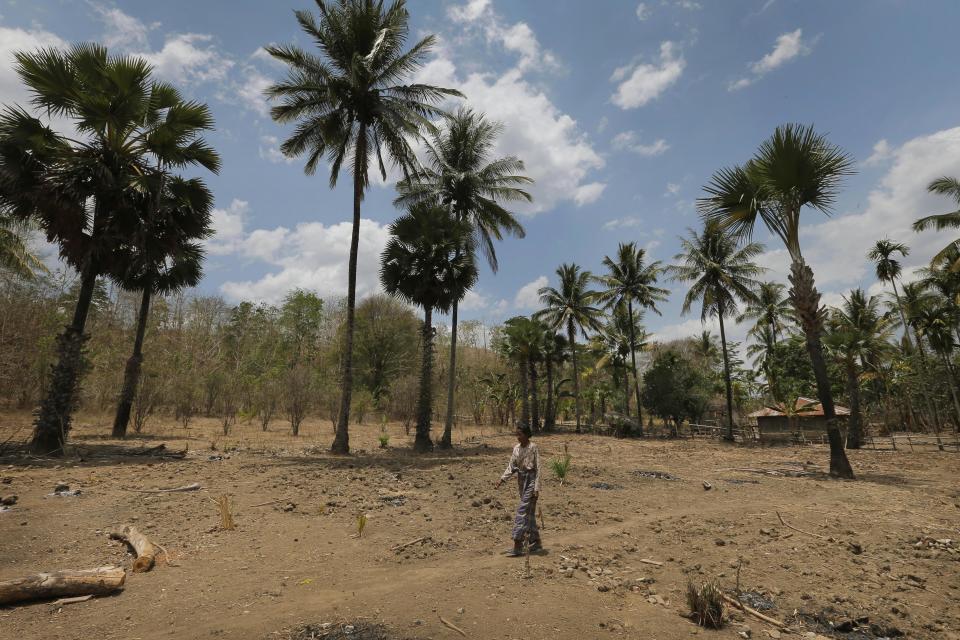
623 336
422 265
554 349
459 176
523 343
771 309
349 104
167 257
889 269
722 276
630 281
570 307
917 302
858 333
81 193
15 255
947 187
795 168
936 324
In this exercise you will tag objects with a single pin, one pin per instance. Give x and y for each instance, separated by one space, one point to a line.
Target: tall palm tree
422 265
794 169
554 352
858 333
460 176
79 192
936 324
723 275
349 103
771 309
889 269
15 255
624 335
571 307
524 344
630 281
949 187
168 256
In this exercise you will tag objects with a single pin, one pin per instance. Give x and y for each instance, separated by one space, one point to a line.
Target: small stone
720 542
461 610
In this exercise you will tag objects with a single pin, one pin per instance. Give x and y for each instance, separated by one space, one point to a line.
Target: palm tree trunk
446 442
549 419
931 402
952 383
855 428
903 316
524 395
53 418
726 376
636 373
422 442
534 399
131 375
572 336
806 303
341 441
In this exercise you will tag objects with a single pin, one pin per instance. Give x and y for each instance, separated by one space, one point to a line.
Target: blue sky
622 111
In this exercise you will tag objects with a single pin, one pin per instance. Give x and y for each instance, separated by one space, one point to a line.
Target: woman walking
525 462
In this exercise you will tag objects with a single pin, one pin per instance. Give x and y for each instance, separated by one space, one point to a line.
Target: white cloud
518 38
228 228
123 31
672 189
787 47
313 256
642 82
881 153
13 40
643 11
836 247
627 222
689 5
270 151
190 58
528 296
630 141
557 154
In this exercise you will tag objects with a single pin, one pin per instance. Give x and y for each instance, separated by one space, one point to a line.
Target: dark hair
525 431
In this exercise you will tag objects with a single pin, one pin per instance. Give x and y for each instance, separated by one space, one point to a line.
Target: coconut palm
917 302
889 269
523 343
422 264
460 176
80 193
167 256
554 352
936 323
794 169
570 307
949 187
349 103
723 275
858 333
630 281
771 309
624 335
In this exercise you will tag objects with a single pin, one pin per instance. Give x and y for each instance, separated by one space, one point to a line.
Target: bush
706 604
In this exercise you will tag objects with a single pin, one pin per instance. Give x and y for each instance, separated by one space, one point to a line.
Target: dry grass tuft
226 518
706 604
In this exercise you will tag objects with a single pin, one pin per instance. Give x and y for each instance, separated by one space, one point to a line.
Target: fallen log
146 551
96 582
188 487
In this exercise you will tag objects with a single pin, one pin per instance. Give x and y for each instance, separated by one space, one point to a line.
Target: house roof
803 407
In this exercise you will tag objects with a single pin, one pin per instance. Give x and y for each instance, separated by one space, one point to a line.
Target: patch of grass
384 439
561 466
706 604
361 524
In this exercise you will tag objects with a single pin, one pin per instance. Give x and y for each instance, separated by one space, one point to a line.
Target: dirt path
295 561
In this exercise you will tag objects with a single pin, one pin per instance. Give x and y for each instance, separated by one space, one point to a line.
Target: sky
621 111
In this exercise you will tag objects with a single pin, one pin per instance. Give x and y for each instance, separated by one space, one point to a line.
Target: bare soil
875 557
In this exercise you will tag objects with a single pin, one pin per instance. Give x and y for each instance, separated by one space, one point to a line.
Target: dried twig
450 625
789 526
755 613
401 547
189 487
653 562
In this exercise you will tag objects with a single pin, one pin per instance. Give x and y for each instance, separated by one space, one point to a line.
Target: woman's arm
511 468
536 463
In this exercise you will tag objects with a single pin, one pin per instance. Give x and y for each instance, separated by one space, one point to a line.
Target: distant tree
571 307
722 276
350 103
422 264
15 255
889 269
675 389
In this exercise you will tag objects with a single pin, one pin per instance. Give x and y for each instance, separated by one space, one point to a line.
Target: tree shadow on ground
397 459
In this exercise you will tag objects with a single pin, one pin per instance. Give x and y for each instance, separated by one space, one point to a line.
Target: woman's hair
525 431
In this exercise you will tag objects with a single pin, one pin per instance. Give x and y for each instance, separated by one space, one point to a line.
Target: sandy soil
866 557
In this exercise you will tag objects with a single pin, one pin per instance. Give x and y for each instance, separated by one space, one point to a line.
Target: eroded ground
875 557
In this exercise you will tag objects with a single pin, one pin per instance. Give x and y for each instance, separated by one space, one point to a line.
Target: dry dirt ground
876 557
